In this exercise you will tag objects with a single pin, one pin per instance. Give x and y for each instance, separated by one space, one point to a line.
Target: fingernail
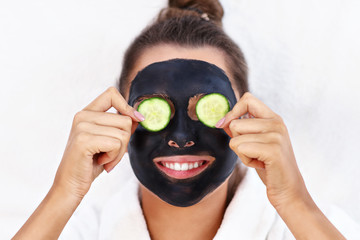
139 116
220 122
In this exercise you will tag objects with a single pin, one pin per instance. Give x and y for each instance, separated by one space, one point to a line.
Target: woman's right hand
98 140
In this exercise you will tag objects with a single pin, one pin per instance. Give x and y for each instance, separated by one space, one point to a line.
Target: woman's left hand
263 142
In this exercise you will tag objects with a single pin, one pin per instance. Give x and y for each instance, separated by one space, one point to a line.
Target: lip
199 163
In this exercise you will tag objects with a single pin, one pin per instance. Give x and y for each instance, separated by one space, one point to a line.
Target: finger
103 130
254 138
250 162
227 128
134 125
256 125
249 152
112 98
95 144
107 157
111 165
260 151
104 119
248 104
247 159
115 156
111 162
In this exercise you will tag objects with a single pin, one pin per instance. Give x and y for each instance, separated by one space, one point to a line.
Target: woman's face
187 160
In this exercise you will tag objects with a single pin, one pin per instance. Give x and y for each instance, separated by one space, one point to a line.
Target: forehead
180 79
163 52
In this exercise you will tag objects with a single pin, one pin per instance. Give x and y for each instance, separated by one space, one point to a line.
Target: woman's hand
98 140
262 142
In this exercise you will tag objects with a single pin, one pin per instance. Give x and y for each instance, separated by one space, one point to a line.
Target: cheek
214 137
143 141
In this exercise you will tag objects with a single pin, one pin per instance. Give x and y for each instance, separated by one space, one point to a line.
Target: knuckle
81 126
276 124
248 98
82 138
114 143
128 108
127 121
232 125
125 136
283 128
232 144
279 118
276 149
112 90
78 117
244 160
279 125
128 135
247 95
276 137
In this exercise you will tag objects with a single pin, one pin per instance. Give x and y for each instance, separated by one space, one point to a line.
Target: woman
188 46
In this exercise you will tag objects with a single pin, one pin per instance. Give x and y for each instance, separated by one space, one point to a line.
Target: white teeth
182 166
177 166
191 166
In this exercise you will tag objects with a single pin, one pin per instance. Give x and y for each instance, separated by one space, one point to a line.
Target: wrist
306 221
53 212
296 205
58 191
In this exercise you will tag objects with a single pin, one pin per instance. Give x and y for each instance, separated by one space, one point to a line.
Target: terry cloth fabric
248 216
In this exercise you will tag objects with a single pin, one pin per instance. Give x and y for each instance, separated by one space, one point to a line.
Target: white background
57 56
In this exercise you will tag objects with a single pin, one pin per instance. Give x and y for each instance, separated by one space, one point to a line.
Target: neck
200 221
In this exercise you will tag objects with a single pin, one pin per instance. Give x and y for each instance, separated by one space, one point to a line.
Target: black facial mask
180 80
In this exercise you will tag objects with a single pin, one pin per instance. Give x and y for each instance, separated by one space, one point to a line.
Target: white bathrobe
249 216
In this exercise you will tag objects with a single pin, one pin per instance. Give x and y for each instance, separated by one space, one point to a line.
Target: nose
175 144
182 131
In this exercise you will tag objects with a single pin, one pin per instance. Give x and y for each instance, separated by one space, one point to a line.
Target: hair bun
210 9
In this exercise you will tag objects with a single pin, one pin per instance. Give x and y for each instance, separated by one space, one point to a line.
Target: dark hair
188 23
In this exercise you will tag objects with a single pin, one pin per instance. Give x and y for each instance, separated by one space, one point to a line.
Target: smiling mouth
183 166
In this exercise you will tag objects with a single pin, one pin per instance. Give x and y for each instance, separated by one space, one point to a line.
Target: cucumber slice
211 108
157 113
